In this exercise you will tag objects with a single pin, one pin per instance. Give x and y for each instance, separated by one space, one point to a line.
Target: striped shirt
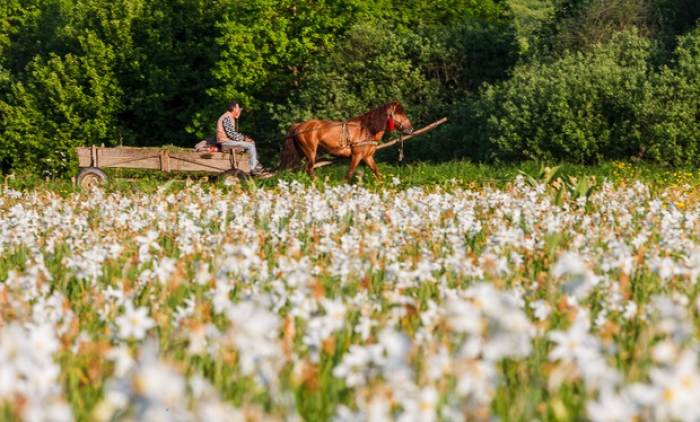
226 129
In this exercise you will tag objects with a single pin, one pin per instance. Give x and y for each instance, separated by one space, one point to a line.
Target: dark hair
233 105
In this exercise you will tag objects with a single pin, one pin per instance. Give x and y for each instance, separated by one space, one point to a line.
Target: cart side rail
163 160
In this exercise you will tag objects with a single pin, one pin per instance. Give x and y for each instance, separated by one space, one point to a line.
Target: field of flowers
303 302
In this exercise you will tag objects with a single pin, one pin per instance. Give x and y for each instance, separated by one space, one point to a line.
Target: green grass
446 175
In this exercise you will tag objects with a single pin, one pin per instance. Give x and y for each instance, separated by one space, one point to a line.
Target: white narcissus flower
255 334
579 278
335 314
364 327
422 318
202 276
673 391
148 242
28 372
574 344
123 362
164 268
542 309
421 407
353 366
611 407
476 380
463 317
134 323
665 351
428 404
159 383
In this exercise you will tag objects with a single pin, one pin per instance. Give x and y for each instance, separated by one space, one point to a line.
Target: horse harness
351 145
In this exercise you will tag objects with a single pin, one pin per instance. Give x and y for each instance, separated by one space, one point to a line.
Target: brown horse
356 139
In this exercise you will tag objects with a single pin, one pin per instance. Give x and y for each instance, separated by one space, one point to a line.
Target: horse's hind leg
310 162
354 161
309 150
310 153
369 160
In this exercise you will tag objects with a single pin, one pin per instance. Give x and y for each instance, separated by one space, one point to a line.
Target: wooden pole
418 132
388 144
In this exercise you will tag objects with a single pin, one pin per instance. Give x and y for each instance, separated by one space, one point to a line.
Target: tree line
571 80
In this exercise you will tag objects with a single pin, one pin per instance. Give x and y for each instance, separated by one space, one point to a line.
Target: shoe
258 170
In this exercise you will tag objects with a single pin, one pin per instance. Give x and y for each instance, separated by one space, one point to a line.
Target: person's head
235 108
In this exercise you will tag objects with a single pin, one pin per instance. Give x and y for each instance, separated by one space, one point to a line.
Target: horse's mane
375 120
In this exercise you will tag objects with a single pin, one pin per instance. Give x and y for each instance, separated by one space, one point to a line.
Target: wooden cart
230 166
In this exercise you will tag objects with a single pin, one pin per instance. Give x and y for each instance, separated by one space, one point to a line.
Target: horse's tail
290 157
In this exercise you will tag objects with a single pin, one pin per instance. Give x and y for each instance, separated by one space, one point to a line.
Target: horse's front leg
354 161
369 160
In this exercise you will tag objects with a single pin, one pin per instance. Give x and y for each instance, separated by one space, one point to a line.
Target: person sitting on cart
227 135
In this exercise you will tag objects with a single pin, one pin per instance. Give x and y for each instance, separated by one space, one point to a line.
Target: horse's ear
392 106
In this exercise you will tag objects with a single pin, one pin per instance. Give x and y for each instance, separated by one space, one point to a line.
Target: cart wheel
231 177
91 176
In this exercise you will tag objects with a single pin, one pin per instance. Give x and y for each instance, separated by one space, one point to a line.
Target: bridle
401 123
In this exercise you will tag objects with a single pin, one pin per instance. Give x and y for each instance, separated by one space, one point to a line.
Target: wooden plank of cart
229 166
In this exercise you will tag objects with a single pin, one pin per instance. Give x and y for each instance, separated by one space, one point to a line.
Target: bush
609 104
673 130
581 109
65 102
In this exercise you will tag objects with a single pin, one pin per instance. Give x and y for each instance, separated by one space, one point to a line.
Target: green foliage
288 60
673 122
412 13
166 69
21 21
528 16
580 25
582 109
368 66
609 104
431 70
6 14
150 73
569 187
466 54
66 102
265 47
678 16
545 175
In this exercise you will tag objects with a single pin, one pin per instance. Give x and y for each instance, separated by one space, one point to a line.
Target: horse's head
397 118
